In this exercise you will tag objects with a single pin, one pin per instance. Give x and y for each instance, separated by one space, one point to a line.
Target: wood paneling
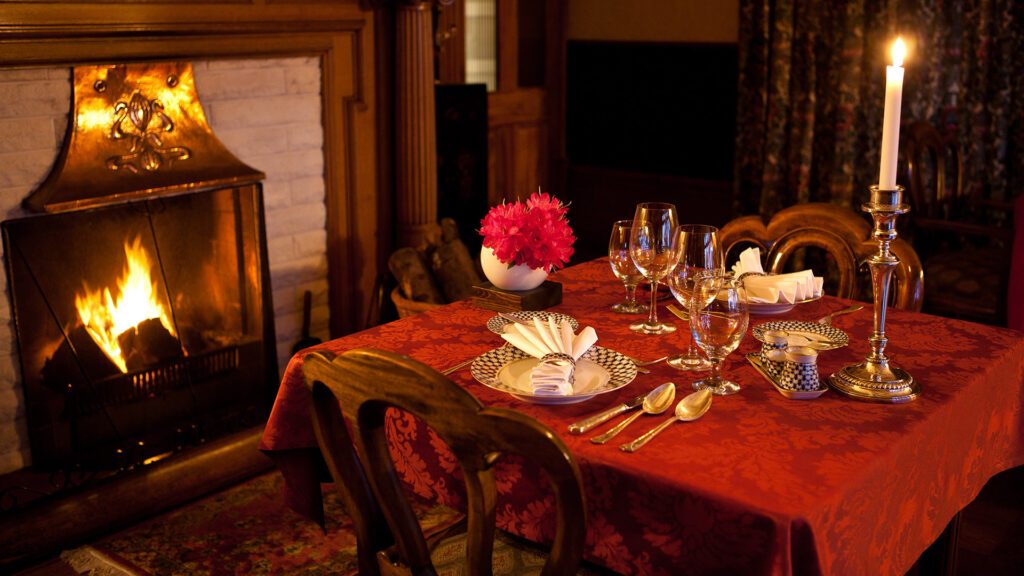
341 34
518 144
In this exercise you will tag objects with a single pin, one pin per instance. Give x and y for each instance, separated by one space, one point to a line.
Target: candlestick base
874 379
875 382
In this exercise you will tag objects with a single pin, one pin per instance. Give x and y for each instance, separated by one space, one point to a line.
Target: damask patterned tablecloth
762 484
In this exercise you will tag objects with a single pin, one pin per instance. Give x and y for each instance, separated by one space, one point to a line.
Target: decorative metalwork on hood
136 131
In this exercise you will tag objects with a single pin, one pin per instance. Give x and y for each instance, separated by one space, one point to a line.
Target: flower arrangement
535 233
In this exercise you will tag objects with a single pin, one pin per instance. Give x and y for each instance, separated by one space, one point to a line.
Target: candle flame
899 51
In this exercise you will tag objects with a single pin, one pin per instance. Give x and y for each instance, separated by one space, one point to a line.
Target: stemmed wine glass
718 321
624 268
651 247
700 254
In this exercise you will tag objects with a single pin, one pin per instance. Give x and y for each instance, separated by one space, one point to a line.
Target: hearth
141 297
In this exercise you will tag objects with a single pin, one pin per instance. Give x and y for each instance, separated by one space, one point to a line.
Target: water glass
718 321
624 268
653 252
700 255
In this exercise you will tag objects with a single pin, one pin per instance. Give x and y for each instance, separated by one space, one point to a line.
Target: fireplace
141 297
192 371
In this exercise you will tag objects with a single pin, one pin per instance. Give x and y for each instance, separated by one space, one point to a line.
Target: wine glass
700 254
651 247
718 321
624 268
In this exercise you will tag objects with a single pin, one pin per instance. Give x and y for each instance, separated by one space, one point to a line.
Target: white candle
891 119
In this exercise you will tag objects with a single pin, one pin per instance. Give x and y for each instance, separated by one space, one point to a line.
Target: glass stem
631 295
691 350
716 366
652 318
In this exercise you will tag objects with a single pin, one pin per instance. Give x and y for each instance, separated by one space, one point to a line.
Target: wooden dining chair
354 390
963 238
841 233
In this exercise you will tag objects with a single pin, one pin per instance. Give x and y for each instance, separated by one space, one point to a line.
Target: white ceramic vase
518 277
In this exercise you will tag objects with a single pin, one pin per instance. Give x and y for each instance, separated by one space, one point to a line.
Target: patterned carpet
243 530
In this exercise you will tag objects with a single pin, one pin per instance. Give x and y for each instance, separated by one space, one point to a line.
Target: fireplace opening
141 326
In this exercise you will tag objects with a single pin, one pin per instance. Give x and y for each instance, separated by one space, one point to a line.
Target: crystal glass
700 255
718 321
651 247
624 268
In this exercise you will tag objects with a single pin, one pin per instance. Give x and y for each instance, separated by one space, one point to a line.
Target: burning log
147 344
62 369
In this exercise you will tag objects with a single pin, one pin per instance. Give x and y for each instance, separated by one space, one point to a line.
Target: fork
451 369
827 319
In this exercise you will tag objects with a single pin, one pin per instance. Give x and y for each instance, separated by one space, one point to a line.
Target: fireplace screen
142 327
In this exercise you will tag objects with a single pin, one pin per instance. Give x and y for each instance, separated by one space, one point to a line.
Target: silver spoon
691 407
656 402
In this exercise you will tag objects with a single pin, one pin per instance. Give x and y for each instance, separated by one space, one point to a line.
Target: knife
588 423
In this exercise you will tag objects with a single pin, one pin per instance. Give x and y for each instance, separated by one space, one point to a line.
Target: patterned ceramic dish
812 334
755 360
497 324
598 371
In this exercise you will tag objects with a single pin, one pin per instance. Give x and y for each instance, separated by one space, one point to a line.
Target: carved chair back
840 232
934 172
359 386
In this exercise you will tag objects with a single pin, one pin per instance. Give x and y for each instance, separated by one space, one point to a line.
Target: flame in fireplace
106 318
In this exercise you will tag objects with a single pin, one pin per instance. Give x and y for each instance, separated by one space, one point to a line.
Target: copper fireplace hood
136 131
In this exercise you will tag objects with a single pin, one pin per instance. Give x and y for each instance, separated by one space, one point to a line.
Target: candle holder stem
875 379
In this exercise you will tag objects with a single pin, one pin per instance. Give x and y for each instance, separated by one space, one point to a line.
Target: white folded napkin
557 347
777 288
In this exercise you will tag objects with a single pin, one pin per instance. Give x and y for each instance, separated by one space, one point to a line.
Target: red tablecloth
761 484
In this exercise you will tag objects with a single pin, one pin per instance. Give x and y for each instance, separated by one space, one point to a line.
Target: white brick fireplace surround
266 111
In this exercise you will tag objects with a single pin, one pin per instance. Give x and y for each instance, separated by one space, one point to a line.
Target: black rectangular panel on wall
462 157
664 108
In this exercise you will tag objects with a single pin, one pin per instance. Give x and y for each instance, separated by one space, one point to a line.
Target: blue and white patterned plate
817 336
507 369
497 324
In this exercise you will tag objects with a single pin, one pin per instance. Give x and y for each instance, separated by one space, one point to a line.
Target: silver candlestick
875 379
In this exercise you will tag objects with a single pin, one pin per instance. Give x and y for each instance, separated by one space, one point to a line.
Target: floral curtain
812 81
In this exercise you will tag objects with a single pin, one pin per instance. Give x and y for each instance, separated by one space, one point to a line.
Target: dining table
761 484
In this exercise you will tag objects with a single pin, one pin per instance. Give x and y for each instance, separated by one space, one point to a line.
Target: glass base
627 308
721 387
689 363
659 328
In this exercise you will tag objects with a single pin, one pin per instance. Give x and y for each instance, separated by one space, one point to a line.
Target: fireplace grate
151 382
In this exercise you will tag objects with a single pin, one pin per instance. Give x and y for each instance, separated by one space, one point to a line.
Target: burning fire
106 318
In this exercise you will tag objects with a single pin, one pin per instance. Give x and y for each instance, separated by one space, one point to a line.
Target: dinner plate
508 368
770 309
815 335
497 324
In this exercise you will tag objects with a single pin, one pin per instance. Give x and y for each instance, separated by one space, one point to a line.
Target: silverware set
657 401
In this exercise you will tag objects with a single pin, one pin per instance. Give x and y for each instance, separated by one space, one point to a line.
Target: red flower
535 233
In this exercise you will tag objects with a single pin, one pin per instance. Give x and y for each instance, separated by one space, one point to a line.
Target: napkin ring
561 359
